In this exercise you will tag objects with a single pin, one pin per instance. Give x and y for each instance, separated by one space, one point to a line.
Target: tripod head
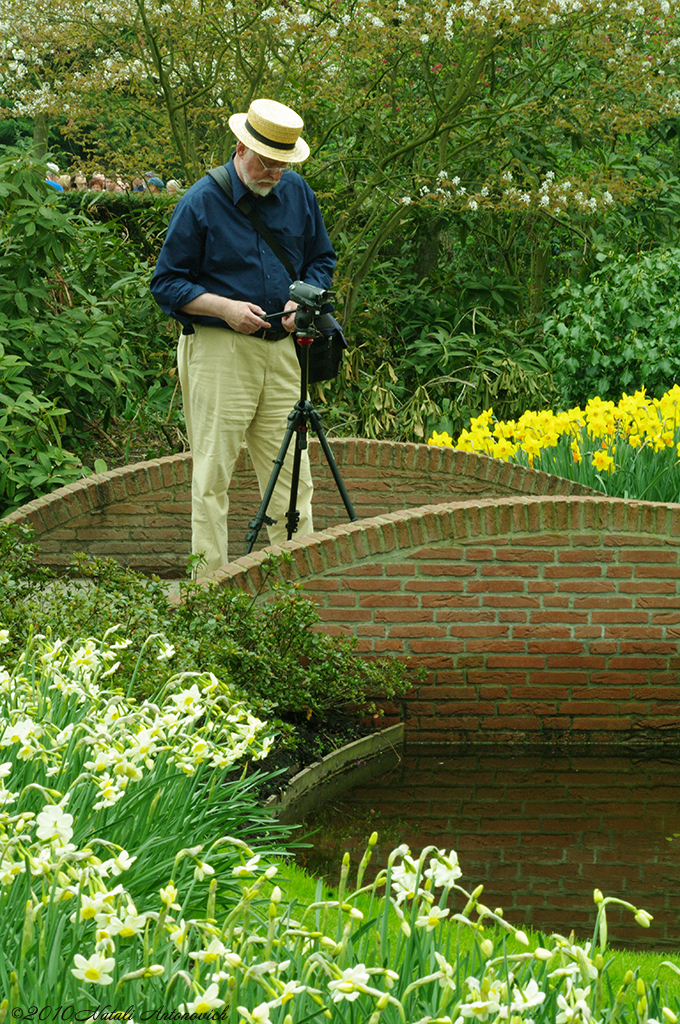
310 301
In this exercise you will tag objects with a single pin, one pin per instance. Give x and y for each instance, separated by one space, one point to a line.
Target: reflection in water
540 831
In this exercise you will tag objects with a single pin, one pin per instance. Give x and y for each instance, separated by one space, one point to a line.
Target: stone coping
338 771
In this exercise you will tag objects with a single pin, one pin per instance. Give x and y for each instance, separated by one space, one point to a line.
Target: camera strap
223 178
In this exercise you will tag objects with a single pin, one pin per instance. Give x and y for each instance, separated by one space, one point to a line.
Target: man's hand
244 317
288 322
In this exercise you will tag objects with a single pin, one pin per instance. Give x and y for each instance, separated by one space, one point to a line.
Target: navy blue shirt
211 246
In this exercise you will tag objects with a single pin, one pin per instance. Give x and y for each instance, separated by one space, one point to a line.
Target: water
540 831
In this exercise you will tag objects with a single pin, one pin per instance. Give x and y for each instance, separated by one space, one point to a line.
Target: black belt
270 334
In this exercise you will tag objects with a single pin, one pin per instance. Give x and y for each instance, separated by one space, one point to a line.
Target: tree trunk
40 132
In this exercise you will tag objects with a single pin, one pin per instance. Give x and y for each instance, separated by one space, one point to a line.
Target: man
239 372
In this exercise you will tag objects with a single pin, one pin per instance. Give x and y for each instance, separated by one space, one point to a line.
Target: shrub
270 651
618 331
78 326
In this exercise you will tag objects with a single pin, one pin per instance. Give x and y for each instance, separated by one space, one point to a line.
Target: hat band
268 142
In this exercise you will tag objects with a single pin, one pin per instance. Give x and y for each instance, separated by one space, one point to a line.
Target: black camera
308 297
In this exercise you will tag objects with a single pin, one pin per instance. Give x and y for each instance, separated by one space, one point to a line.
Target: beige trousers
236 388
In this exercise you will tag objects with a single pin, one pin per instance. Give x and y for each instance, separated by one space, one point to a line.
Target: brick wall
141 514
539 620
540 832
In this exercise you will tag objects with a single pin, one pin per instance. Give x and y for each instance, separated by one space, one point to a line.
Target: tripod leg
255 524
293 513
315 421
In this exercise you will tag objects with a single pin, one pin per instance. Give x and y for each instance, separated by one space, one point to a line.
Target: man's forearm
244 317
208 304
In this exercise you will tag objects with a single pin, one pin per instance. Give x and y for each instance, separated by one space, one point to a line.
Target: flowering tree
516 105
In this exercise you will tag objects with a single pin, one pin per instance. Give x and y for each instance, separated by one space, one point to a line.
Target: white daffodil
169 896
102 760
20 732
574 1009
433 917
91 905
111 791
404 880
481 1004
9 870
166 653
179 934
215 951
96 970
260 1015
123 862
189 702
243 870
55 825
289 991
524 999
132 924
351 984
203 870
204 1003
447 972
444 869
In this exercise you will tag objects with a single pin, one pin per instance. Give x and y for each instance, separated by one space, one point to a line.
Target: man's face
257 173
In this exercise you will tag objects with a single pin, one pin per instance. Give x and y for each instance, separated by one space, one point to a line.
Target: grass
304 889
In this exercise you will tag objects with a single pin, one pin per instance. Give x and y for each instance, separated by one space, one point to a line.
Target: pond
540 831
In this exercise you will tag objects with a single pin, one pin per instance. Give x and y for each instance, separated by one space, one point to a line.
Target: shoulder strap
223 178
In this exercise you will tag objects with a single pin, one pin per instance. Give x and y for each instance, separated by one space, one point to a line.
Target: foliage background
496 178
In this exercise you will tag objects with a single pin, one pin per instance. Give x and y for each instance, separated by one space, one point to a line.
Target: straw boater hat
272 130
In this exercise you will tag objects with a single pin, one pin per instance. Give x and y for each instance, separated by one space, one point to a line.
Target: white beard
259 187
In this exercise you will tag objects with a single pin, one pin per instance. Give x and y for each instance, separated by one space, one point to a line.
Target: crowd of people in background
149 182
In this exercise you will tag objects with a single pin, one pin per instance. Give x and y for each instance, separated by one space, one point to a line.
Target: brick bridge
543 613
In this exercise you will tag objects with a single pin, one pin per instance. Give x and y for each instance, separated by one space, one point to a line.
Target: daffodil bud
597 896
643 918
640 987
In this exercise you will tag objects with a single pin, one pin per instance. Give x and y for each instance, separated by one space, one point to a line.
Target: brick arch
140 514
547 620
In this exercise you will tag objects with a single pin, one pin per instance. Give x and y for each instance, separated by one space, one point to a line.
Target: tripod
302 415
